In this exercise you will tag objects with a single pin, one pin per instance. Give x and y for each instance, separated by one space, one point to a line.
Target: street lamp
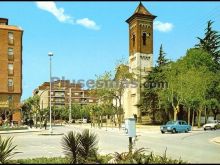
50 54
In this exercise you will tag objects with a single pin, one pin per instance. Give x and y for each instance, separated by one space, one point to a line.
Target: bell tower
140 57
141 40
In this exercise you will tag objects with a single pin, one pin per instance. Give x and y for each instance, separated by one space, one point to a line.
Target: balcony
59 102
62 96
10 72
10 88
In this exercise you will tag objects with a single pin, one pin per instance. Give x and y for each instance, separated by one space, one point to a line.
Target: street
194 147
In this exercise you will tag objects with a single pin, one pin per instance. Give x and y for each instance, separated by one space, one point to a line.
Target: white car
213 124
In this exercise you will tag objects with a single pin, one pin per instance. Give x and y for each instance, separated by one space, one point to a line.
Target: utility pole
70 103
50 55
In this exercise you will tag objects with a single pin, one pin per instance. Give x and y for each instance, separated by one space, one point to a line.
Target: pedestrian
31 122
45 123
1 121
135 116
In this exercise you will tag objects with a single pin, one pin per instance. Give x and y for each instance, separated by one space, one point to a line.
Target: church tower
141 40
140 56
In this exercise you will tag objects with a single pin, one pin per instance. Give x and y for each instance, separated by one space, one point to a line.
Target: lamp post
50 54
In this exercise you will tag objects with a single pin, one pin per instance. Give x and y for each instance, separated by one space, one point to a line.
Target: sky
89 38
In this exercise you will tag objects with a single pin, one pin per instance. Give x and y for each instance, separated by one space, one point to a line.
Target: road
194 147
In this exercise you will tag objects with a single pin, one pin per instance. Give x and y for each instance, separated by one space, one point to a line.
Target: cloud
88 23
57 12
163 27
64 18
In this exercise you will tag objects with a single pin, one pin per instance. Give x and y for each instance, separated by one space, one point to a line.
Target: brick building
140 25
60 94
10 70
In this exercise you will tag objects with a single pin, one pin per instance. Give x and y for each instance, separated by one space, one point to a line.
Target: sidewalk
21 131
216 140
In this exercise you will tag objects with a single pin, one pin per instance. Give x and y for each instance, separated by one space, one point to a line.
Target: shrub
80 147
139 157
6 150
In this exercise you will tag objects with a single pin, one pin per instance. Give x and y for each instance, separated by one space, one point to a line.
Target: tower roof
142 12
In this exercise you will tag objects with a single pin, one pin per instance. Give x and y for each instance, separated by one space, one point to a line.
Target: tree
32 104
161 59
211 42
122 78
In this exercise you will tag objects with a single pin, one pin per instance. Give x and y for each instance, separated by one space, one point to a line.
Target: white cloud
88 23
64 18
57 12
163 27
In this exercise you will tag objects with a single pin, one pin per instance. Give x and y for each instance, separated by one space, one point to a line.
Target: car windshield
170 122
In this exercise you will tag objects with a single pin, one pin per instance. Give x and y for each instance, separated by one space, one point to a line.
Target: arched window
133 39
144 38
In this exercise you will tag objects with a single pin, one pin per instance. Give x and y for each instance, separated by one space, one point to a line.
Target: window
10 38
144 38
133 39
10 69
10 84
10 51
76 94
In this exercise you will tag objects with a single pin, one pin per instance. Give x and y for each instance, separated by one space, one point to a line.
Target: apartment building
10 70
61 92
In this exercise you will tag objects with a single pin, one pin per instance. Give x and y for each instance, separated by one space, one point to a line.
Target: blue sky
88 38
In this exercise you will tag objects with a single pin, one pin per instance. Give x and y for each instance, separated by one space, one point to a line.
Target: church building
140 57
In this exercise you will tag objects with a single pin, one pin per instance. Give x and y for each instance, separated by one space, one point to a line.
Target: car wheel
204 129
174 130
214 128
187 130
162 132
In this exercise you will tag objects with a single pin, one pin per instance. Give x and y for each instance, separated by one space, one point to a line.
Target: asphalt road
194 147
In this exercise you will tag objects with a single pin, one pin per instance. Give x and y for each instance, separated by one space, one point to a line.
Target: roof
10 27
142 12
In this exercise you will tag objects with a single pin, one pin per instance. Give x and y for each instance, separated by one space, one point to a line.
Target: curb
18 131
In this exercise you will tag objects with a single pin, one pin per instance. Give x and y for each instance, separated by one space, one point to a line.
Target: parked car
81 121
212 124
175 127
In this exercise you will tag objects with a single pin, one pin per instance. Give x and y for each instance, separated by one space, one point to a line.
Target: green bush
139 157
80 147
6 150
14 128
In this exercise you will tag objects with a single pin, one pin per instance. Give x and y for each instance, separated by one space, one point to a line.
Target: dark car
175 127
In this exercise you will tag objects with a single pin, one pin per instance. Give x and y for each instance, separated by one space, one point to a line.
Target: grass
14 128
55 160
101 159
42 160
